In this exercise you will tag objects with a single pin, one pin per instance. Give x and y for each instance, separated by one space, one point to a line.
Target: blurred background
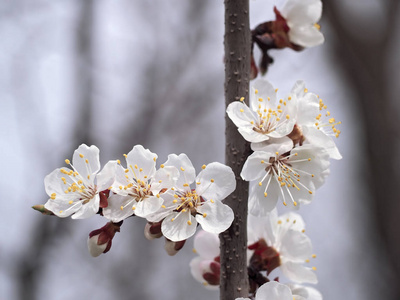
120 73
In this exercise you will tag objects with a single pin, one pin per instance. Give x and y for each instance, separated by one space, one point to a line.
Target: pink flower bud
100 240
173 248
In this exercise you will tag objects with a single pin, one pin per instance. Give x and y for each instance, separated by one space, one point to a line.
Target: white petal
178 229
94 249
121 181
147 206
91 155
165 178
206 244
298 273
259 205
61 207
252 136
241 115
264 227
295 246
54 184
187 173
306 36
88 209
306 292
113 211
318 138
300 12
216 182
274 291
141 162
215 217
307 110
281 144
107 176
265 90
168 198
283 128
254 167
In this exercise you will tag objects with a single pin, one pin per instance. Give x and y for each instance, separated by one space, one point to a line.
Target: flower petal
182 163
206 244
88 209
295 246
141 162
241 115
306 292
176 228
254 167
107 176
306 36
264 90
61 207
259 204
147 206
86 162
216 181
113 211
301 12
298 273
215 217
274 291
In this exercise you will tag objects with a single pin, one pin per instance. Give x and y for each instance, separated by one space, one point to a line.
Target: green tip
44 211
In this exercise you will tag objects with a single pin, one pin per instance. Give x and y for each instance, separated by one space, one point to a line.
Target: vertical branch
234 282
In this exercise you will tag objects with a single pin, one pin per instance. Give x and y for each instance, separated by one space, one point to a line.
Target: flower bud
100 240
173 248
152 230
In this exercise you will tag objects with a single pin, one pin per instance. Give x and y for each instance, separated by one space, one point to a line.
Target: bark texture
234 278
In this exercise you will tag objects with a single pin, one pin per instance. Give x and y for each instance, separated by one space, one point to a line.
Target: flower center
325 122
189 202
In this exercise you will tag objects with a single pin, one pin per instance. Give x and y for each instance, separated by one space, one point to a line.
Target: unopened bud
100 240
173 248
153 231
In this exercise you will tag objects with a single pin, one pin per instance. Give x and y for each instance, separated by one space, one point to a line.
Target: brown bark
234 281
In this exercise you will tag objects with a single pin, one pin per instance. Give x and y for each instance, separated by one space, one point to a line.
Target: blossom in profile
302 18
196 199
266 117
314 123
75 191
286 173
205 267
139 188
281 242
274 290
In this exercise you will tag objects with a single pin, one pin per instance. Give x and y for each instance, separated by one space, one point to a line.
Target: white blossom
76 191
188 205
286 235
139 188
302 17
266 117
283 172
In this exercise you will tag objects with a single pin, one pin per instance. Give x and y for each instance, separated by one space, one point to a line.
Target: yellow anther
287 220
53 196
194 250
284 203
307 260
125 187
81 155
303 231
185 184
154 158
314 256
276 90
120 187
67 161
241 110
140 170
136 166
60 211
241 99
182 169
309 159
289 98
312 175
265 194
162 166
87 161
279 222
70 202
163 206
133 207
204 215
294 221
287 117
173 219
283 183
212 180
277 153
256 91
251 122
125 155
174 201
211 200
262 161
314 268
126 170
88 177
316 25
122 208
310 192
331 120
260 183
305 91
260 99
158 195
118 161
268 98
197 183
189 223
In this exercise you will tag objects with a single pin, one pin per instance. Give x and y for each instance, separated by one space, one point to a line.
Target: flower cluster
171 198
274 243
292 143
